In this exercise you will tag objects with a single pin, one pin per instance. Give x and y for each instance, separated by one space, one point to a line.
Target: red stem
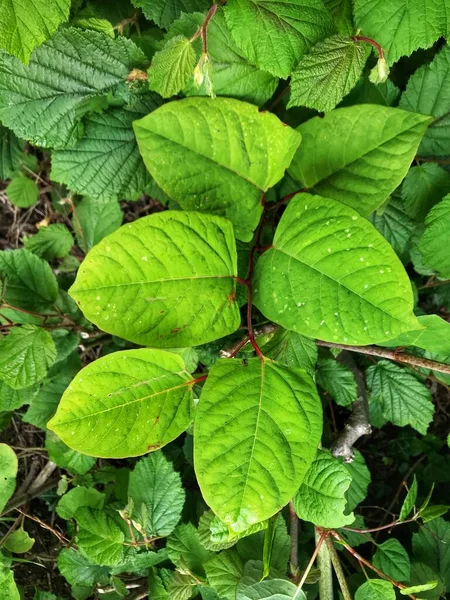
376 45
286 198
374 529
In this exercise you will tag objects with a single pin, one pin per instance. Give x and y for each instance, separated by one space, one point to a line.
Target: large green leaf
99 537
272 589
8 586
25 356
249 457
224 572
395 225
8 473
275 34
185 549
433 244
402 26
402 399
25 25
428 92
321 498
172 67
164 12
11 153
331 275
94 219
217 156
44 101
231 74
431 546
11 399
126 404
293 350
105 163
342 13
325 75
434 336
80 573
28 280
423 187
358 155
337 380
393 560
375 589
155 485
167 280
360 474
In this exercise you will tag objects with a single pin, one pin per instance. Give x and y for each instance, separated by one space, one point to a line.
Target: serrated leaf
344 302
105 163
11 153
164 12
402 398
77 498
337 380
428 92
231 74
140 563
8 473
224 572
342 13
11 399
49 115
423 187
179 586
321 498
155 484
392 559
28 281
126 404
8 585
434 336
360 475
185 549
24 26
215 535
80 573
94 219
431 547
101 25
99 536
43 406
433 243
358 155
65 457
172 67
54 241
258 459
409 501
433 512
375 589
22 191
175 286
325 75
401 27
275 34
225 173
394 224
25 356
19 542
293 350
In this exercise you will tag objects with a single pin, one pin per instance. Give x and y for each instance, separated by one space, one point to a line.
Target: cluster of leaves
217 324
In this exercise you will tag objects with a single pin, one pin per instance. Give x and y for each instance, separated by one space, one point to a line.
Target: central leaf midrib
114 285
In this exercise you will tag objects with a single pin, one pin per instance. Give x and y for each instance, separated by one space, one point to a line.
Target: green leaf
25 356
375 589
99 537
273 589
164 12
402 398
49 115
366 92
77 498
185 549
293 350
19 542
321 498
337 380
434 337
360 475
401 27
8 585
423 187
431 547
101 25
23 26
409 501
343 302
172 67
428 92
226 173
275 34
155 484
22 191
258 459
325 75
126 404
393 560
214 534
415 589
80 573
94 219
140 563
11 153
28 280
65 457
433 512
8 473
11 399
105 163
394 224
179 586
54 241
175 286
224 572
358 155
44 405
433 243
342 13
230 73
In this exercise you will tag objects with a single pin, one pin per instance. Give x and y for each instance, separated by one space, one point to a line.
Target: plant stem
439 161
338 569
373 43
293 530
322 537
326 572
381 527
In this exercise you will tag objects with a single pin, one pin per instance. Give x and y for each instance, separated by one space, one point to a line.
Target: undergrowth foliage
201 374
